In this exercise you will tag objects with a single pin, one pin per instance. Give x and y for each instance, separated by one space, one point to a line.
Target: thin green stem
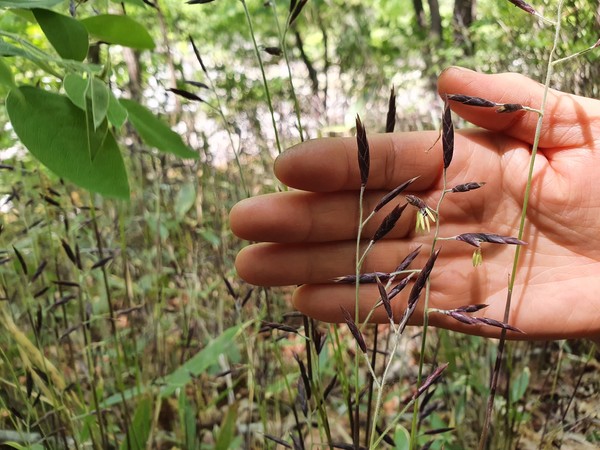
264 76
511 283
282 40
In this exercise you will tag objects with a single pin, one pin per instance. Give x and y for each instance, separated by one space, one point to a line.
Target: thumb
567 118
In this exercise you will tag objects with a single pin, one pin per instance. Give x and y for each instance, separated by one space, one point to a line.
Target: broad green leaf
6 75
28 4
198 364
139 431
68 36
227 430
154 132
55 132
76 88
117 114
100 95
186 197
401 438
121 30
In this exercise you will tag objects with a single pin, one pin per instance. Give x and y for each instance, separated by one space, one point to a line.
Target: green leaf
100 96
55 132
121 30
139 431
401 438
28 4
76 88
187 419
117 114
227 430
195 366
6 75
186 197
154 132
68 36
519 386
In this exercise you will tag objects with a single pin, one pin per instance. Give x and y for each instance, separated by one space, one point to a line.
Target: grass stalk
264 75
511 283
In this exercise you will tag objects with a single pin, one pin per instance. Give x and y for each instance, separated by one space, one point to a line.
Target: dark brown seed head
185 94
431 379
364 160
389 222
422 279
296 9
471 308
467 187
415 201
197 53
393 194
509 108
471 101
524 6
384 299
274 51
399 287
354 330
475 239
197 84
409 258
390 122
447 136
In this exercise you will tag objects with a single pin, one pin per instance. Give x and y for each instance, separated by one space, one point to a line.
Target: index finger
330 164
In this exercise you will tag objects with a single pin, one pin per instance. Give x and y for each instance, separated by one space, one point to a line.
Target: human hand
307 237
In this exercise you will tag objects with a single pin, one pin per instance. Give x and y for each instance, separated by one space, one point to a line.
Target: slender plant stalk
511 283
282 40
264 76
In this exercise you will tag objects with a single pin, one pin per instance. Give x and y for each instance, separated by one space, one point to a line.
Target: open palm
307 236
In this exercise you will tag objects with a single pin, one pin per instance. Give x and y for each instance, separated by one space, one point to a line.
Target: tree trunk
464 13
419 13
436 20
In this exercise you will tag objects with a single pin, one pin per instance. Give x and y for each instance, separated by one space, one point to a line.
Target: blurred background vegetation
124 324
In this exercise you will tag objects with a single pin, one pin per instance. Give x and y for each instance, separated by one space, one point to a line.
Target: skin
306 236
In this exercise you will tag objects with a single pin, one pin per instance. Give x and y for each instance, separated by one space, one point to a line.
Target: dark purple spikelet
197 84
467 187
408 259
508 108
296 9
471 308
471 101
415 201
497 323
422 279
185 94
273 51
390 122
389 222
197 53
399 287
447 135
475 239
22 260
461 317
385 299
354 330
431 379
524 6
364 159
393 194
365 278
